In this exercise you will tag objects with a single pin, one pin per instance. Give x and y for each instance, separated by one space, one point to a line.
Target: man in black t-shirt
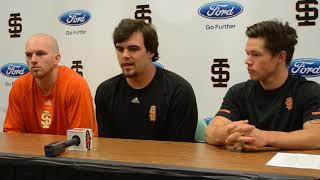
273 108
144 102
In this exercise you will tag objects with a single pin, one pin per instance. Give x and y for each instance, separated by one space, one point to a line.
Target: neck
277 80
47 83
142 80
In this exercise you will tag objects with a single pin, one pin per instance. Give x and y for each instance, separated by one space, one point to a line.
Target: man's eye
133 49
40 53
119 49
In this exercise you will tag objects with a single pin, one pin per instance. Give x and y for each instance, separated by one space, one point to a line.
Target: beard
129 74
129 70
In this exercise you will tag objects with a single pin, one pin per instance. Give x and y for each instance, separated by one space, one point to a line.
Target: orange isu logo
289 103
46 119
153 113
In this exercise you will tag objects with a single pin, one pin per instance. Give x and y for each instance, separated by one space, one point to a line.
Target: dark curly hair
127 27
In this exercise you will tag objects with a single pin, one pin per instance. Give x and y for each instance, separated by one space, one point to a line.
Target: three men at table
274 108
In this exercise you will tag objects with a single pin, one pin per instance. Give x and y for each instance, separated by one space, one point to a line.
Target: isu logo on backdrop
220 73
220 10
14 69
77 66
307 12
75 17
143 12
15 26
306 67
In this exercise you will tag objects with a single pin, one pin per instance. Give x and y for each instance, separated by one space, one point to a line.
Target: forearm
300 139
216 134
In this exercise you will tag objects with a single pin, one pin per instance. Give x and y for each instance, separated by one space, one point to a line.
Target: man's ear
282 56
57 58
150 54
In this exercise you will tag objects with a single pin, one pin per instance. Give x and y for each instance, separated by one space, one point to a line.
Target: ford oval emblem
14 69
306 67
75 17
220 10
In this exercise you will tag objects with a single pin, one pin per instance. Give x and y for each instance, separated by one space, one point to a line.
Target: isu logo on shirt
46 116
153 113
46 119
289 103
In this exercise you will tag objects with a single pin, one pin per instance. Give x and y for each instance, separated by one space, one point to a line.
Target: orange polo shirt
69 105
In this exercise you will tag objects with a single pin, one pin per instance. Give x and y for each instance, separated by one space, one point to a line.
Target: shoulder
246 86
110 83
301 81
304 86
109 86
69 77
67 73
172 79
306 93
70 82
24 82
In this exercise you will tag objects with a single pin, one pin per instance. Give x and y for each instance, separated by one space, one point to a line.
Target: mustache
34 67
127 63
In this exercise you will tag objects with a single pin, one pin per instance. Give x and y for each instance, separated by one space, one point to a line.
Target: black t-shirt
284 109
165 109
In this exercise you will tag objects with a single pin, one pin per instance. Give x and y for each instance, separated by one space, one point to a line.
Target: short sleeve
232 103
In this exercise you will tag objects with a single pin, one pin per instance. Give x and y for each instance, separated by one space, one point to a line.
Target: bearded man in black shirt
144 101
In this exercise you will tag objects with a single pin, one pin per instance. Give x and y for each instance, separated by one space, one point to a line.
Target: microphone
56 148
77 139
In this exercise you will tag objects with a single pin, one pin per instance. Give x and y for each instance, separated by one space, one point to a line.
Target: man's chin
37 75
129 74
254 78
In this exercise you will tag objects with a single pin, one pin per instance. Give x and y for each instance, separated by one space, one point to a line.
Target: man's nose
33 59
248 60
126 53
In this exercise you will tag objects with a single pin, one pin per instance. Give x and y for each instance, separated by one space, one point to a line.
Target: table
22 157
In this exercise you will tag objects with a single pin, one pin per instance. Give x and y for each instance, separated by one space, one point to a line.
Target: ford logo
75 17
220 10
14 69
306 67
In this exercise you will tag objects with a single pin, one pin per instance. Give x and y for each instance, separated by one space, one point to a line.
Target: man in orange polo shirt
50 99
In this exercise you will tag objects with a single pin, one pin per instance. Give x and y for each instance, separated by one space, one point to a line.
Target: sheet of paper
294 160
